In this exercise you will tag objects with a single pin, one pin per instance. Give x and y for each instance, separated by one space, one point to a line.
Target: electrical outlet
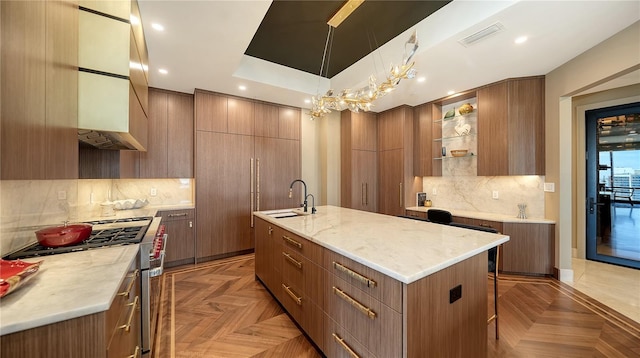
550 187
154 192
62 195
455 294
434 191
494 195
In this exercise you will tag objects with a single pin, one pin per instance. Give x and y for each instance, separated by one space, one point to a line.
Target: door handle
593 204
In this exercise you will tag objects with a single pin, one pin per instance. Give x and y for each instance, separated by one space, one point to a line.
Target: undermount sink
285 213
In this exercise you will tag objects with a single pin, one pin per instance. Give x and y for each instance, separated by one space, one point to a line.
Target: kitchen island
375 285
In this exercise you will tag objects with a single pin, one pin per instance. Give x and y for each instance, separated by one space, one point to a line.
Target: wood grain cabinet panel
170 148
359 177
180 229
530 249
39 90
511 127
289 123
277 165
423 117
240 116
339 343
391 184
266 120
210 111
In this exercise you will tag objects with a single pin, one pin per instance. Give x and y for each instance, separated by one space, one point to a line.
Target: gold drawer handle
135 353
292 260
291 241
362 308
367 281
177 215
134 304
293 295
133 276
344 345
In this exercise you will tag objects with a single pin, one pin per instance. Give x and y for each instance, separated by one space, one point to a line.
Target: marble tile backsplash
26 205
475 193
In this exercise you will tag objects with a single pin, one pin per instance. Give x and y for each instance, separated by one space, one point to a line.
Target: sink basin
286 213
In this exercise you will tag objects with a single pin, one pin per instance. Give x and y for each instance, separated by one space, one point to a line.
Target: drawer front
339 343
380 286
126 336
172 215
308 249
303 310
375 325
302 274
416 214
478 222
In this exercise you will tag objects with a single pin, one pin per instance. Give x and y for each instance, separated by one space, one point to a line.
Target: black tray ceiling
293 33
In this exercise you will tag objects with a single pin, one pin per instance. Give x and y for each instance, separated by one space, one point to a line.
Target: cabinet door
423 140
391 129
266 120
262 233
179 135
179 226
210 112
526 126
390 184
153 162
289 123
364 131
364 181
240 116
277 165
223 192
493 155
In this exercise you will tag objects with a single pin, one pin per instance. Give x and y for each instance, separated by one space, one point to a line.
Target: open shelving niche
458 132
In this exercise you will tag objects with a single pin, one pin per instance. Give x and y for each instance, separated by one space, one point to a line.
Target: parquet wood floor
218 309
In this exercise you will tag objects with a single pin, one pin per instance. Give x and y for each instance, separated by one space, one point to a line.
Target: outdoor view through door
613 184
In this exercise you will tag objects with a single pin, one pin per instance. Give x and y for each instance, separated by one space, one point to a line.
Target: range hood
112 81
110 115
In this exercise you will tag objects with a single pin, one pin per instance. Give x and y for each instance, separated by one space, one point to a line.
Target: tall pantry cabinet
358 162
247 154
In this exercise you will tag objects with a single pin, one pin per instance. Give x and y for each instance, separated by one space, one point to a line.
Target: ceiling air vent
484 33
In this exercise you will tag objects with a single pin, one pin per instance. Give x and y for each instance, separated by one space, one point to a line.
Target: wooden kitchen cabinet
246 155
397 185
359 182
180 230
39 114
425 131
170 148
530 249
511 127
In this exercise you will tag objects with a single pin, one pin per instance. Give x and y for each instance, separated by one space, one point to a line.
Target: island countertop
404 249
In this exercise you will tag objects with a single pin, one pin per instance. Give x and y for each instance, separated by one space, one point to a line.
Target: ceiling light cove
157 27
163 71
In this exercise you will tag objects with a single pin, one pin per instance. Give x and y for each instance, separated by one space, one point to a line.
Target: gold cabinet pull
362 308
367 281
135 353
134 304
344 345
176 215
291 241
133 276
297 263
251 192
292 295
401 195
362 194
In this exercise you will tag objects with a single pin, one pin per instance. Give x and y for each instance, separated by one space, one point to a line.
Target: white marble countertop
486 216
67 286
404 249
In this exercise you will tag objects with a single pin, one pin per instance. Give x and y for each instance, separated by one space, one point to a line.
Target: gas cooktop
104 233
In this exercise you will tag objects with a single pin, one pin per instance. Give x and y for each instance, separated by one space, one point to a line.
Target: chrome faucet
304 204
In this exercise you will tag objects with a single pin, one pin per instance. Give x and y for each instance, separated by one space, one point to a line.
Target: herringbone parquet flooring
218 309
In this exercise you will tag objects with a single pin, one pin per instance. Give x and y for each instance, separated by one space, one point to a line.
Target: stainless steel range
104 233
145 231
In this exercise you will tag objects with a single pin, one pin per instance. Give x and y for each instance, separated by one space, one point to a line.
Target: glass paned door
613 185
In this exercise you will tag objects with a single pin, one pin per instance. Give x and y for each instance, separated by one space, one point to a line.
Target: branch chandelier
362 98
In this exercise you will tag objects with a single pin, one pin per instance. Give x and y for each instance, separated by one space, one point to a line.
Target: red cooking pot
63 235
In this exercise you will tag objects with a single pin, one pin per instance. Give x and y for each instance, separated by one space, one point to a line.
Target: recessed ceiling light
157 27
134 19
421 79
451 92
163 71
242 88
307 101
521 39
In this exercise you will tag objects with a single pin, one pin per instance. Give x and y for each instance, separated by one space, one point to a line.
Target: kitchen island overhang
428 281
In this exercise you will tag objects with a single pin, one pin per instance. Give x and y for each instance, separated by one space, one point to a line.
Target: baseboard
566 275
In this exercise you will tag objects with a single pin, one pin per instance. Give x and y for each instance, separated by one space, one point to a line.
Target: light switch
494 195
154 192
550 187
